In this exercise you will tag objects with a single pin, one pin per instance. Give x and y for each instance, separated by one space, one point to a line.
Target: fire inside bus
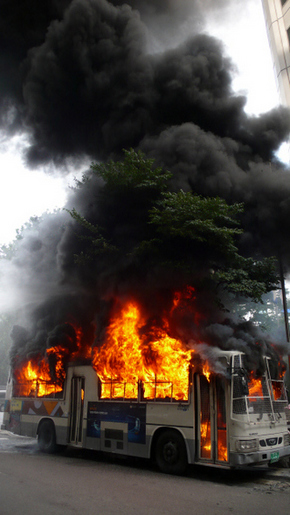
168 404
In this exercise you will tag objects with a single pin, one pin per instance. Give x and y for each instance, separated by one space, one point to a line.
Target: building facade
277 16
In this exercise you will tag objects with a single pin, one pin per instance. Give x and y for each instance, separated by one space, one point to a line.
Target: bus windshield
253 394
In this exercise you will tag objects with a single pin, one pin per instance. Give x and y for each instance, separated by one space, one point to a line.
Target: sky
25 192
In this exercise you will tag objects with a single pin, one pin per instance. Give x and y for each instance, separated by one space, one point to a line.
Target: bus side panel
177 416
25 416
129 428
117 427
12 416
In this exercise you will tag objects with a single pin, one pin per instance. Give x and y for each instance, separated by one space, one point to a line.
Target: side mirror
245 387
244 381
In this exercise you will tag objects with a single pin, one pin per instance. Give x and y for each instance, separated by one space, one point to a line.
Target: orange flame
205 439
44 376
35 380
127 357
154 365
222 446
255 386
206 371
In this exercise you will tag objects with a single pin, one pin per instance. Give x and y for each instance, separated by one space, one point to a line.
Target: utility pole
284 300
286 320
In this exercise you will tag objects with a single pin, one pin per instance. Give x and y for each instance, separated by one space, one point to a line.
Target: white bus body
222 422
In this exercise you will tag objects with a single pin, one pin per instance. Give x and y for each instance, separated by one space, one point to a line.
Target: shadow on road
23 445
228 477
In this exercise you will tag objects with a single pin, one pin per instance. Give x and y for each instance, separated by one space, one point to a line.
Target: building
277 16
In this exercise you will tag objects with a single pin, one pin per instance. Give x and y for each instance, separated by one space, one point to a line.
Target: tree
177 231
130 188
8 251
204 230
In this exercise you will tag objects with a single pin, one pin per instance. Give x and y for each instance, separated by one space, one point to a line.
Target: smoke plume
88 78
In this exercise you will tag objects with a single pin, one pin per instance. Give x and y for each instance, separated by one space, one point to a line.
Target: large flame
130 362
45 375
128 357
138 358
34 379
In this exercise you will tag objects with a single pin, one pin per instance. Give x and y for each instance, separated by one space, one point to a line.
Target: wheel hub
170 452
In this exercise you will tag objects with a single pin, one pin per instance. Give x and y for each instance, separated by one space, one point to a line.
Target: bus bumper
238 459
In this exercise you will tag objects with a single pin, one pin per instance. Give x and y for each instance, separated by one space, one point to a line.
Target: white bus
230 419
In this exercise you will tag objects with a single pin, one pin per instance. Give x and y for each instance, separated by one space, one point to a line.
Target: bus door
77 409
211 426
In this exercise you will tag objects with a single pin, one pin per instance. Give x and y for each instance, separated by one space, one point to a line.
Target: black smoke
78 77
87 78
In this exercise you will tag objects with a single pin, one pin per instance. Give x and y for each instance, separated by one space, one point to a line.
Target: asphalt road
82 482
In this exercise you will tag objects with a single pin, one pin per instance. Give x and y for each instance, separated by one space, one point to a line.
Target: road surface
82 482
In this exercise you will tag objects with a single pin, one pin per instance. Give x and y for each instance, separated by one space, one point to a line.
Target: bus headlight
246 445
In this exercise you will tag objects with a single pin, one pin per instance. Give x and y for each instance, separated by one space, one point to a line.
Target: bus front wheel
171 453
46 437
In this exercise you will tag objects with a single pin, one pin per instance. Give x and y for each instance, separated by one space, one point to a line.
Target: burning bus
145 393
169 385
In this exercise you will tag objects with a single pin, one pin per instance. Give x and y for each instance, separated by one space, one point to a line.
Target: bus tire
170 453
46 437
